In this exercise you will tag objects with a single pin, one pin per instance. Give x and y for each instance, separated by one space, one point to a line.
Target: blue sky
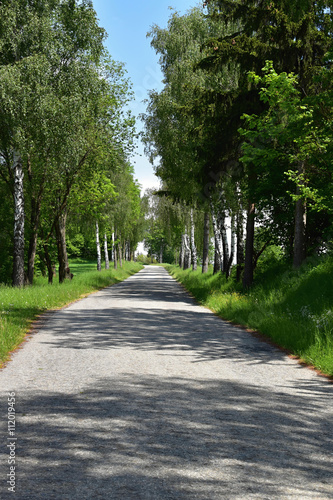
127 25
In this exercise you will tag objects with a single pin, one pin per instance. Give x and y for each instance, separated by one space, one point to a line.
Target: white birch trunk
106 252
19 219
232 245
217 235
187 252
98 247
112 249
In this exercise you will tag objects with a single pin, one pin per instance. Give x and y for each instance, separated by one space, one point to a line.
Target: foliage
62 113
217 108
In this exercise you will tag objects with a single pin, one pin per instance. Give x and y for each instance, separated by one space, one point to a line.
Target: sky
127 25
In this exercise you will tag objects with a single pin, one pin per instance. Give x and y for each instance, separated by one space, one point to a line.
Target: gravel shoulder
136 392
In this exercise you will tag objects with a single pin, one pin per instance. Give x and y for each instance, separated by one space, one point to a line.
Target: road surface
136 392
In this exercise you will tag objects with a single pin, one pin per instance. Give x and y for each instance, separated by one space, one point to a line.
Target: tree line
241 133
65 140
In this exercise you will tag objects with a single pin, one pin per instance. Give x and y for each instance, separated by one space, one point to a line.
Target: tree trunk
248 268
232 247
225 244
36 201
120 252
98 249
161 251
187 252
106 252
124 250
115 255
300 225
218 244
60 230
217 257
112 249
193 247
240 243
182 253
19 219
34 223
50 267
205 256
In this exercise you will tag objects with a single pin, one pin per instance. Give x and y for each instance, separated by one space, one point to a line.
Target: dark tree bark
120 252
115 255
218 254
217 258
49 265
205 256
232 247
182 253
240 243
60 230
34 224
161 251
36 201
193 247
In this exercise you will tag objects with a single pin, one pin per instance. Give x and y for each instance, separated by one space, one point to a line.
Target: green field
19 307
293 308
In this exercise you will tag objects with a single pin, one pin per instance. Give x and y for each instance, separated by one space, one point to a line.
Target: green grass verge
20 307
293 308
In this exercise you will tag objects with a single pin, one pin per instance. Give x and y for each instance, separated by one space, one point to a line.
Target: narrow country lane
138 393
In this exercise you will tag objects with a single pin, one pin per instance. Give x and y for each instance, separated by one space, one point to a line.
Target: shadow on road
168 438
144 437
152 316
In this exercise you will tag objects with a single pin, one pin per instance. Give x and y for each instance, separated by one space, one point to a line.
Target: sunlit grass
20 307
293 308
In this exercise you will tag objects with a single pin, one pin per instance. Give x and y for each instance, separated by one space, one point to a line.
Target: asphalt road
138 393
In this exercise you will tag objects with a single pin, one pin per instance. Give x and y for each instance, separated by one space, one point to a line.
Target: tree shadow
133 436
202 334
157 317
173 438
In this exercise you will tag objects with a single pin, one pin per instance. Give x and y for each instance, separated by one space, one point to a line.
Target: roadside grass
292 307
19 307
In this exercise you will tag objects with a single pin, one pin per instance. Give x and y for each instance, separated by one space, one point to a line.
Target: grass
293 308
20 307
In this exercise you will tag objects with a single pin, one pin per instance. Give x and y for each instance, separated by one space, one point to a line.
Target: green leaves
287 133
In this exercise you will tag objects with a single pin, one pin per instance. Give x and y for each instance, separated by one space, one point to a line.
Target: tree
59 39
295 36
61 95
171 118
285 143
